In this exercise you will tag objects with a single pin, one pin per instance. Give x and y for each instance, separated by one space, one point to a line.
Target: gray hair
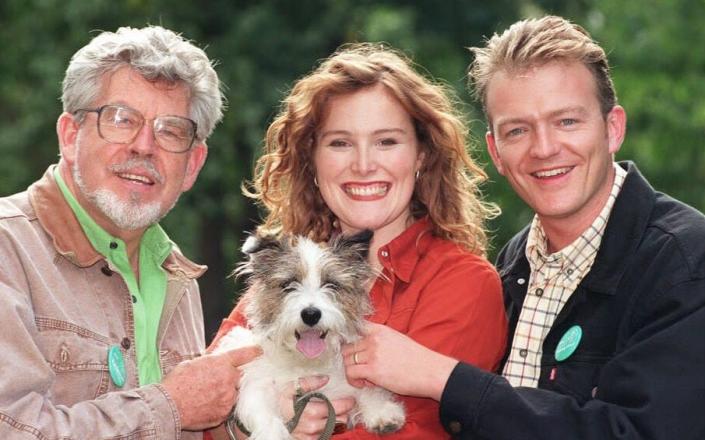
156 54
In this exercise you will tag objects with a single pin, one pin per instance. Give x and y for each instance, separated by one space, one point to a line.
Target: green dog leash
300 402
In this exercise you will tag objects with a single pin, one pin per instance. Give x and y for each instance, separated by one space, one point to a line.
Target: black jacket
639 370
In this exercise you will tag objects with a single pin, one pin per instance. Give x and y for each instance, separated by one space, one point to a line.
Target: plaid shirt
553 280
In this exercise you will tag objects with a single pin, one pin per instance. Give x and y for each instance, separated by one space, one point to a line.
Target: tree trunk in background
215 296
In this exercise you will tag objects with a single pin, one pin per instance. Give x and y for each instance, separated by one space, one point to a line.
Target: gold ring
355 361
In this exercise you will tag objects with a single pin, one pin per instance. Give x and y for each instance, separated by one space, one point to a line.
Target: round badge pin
116 366
568 343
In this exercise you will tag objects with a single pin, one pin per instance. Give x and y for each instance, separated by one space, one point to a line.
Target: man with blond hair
102 328
604 290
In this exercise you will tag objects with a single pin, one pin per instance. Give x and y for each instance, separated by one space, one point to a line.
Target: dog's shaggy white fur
304 300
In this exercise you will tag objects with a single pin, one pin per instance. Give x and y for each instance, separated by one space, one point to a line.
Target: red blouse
443 297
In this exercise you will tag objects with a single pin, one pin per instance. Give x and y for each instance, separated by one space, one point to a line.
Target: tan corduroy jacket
61 308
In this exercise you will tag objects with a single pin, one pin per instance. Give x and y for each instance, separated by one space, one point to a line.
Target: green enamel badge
116 366
568 343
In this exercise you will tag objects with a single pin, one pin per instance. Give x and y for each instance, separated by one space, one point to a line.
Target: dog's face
306 297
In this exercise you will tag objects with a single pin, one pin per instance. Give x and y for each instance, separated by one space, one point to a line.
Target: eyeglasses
120 125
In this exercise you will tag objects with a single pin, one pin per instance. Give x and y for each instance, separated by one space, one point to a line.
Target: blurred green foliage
655 46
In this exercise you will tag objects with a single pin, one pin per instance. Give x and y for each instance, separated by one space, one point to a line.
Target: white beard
128 215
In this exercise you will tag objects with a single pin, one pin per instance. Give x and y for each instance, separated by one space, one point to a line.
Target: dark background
656 48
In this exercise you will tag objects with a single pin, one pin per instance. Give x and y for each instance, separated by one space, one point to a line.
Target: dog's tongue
311 344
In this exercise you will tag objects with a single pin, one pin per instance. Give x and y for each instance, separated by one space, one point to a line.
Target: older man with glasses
102 322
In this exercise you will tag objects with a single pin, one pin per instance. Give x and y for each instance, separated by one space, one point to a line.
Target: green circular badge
116 366
568 343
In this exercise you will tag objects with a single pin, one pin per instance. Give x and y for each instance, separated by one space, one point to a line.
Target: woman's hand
394 361
315 415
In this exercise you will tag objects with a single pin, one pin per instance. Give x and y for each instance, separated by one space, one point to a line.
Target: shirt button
385 254
569 271
523 352
113 245
521 281
455 427
106 271
134 299
125 343
539 292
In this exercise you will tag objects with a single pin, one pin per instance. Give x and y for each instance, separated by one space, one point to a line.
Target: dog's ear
256 243
359 243
254 248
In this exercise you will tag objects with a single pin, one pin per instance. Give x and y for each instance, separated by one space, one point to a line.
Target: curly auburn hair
447 189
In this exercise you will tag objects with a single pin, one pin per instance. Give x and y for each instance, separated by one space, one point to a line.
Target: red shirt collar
401 255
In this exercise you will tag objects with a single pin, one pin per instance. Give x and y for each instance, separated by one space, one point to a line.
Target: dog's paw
389 417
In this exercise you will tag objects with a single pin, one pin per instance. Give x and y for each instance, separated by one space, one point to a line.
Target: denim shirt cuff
165 414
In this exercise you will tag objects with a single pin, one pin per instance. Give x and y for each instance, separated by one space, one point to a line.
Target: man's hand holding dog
205 389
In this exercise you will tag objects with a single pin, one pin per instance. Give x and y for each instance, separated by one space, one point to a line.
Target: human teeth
367 190
137 178
551 173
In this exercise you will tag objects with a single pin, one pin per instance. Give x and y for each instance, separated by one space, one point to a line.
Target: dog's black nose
311 316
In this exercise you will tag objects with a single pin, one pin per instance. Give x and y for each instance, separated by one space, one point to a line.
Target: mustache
137 162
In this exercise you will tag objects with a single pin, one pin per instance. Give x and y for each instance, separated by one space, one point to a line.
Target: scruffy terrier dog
304 300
